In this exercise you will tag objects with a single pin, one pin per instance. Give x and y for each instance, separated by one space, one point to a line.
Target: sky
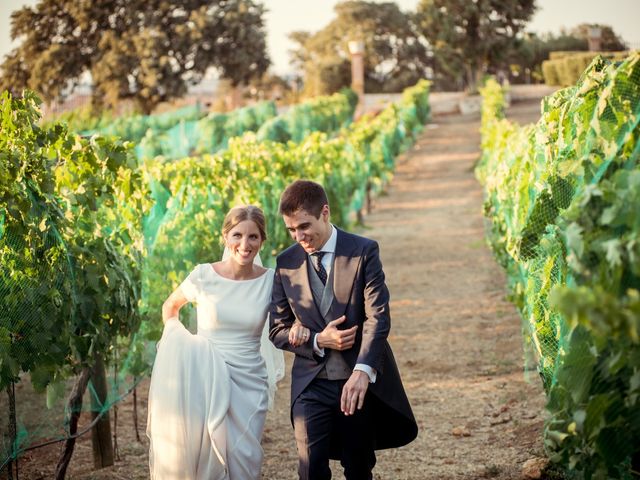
285 16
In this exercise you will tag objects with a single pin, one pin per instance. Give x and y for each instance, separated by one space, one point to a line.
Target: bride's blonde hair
242 213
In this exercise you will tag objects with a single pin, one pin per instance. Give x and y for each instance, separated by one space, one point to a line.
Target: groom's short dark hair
303 195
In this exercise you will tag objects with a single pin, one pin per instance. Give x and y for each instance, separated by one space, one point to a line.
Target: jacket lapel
299 289
345 268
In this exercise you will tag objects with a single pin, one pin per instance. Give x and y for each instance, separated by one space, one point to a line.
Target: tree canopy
148 51
394 58
467 36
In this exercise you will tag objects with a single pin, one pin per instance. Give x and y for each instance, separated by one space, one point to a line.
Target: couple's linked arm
281 319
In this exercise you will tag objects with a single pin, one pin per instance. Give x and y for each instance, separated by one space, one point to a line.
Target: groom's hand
336 339
353 392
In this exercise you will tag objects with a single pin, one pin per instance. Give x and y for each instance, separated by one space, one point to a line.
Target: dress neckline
233 280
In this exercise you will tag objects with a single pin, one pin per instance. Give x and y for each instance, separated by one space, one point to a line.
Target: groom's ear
325 212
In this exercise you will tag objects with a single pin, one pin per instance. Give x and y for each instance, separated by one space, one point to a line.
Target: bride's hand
299 334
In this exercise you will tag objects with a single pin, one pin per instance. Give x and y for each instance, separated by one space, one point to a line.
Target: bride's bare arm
173 304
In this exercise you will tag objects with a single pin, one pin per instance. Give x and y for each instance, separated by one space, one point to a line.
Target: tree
467 37
609 41
144 50
394 58
525 61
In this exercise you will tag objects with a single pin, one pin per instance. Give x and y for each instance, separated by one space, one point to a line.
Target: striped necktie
316 259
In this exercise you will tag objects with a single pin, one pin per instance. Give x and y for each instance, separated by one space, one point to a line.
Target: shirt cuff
371 372
318 351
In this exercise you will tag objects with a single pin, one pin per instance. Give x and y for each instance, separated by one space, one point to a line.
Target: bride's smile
244 242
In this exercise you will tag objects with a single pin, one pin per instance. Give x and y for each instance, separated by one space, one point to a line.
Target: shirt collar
330 245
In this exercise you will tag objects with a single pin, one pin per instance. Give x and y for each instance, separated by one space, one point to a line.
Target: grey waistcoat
335 368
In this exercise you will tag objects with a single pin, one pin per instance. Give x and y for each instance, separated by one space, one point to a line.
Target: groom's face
310 232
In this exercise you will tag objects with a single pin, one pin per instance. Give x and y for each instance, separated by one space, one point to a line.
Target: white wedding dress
209 392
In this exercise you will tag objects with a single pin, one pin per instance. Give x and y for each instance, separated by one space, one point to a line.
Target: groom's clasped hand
355 389
331 337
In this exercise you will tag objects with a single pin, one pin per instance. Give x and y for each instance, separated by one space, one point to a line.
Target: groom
347 398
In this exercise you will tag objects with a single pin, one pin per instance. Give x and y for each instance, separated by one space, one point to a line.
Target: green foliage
33 259
563 200
180 133
319 114
565 69
134 127
550 73
70 248
275 129
147 51
414 99
603 235
212 133
351 95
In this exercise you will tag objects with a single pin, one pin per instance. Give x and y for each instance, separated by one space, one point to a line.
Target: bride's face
244 242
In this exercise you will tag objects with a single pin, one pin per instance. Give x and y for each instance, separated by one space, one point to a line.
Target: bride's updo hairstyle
242 213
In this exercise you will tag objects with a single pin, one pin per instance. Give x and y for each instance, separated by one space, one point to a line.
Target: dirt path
456 338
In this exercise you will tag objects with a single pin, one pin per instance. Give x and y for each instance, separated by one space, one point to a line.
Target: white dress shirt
329 249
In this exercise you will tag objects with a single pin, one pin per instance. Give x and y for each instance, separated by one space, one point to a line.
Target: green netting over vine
93 239
203 134
70 251
563 197
134 127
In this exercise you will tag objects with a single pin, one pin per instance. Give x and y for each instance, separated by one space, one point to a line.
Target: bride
209 392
